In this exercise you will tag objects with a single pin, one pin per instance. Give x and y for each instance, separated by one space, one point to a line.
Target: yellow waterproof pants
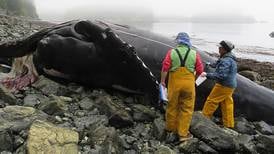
220 95
181 98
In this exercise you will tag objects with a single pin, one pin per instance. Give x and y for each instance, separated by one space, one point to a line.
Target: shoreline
257 53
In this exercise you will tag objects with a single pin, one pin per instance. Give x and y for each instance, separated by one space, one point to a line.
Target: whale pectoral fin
130 67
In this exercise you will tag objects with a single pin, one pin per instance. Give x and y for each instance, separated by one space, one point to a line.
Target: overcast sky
259 9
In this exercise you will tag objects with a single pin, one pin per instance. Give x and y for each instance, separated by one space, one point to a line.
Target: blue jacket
226 71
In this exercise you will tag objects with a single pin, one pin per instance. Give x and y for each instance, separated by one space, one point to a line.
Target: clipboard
200 80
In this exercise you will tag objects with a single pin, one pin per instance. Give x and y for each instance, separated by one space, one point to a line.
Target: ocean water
252 41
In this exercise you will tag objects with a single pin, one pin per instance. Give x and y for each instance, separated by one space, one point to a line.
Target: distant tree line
19 8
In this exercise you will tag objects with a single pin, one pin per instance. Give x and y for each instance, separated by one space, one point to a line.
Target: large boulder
14 120
54 106
50 87
46 138
143 113
243 126
17 118
265 144
106 138
253 76
268 83
212 134
115 109
158 129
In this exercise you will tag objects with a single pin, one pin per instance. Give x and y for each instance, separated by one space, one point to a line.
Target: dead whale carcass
108 55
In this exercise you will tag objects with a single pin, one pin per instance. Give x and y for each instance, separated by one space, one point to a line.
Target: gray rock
124 143
204 148
86 122
130 152
263 127
130 139
6 96
18 141
22 149
115 110
86 104
33 100
154 143
6 152
142 113
212 134
15 119
2 103
164 150
18 118
55 106
141 130
49 87
244 127
105 137
268 83
253 76
6 142
190 146
272 128
264 144
246 144
158 129
80 113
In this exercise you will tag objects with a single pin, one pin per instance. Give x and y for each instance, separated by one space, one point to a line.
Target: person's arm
165 67
221 72
199 67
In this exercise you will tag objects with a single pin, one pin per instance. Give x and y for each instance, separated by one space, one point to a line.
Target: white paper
163 93
200 80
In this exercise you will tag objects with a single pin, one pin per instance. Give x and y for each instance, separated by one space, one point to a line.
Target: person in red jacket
181 63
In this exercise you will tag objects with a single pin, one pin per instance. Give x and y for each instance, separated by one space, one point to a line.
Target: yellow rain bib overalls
220 95
181 96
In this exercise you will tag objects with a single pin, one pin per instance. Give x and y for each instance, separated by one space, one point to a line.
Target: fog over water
247 23
260 10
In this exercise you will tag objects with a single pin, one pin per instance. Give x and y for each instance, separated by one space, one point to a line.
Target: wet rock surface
260 72
50 117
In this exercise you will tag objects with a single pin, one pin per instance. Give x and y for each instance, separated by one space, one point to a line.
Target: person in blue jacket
225 77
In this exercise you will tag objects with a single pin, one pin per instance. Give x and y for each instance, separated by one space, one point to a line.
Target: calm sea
252 40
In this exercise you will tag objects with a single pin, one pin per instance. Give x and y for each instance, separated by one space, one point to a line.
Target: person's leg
172 106
227 107
216 96
172 112
186 108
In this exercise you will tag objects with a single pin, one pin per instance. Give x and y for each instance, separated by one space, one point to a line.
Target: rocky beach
53 117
